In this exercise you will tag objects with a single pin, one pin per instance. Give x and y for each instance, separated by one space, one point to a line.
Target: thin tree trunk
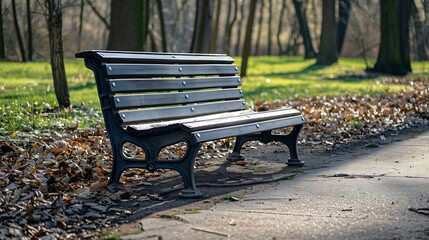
343 19
79 37
56 52
360 36
203 36
419 33
240 25
161 18
30 32
228 31
426 21
305 32
279 32
260 22
246 45
103 20
196 22
18 33
270 17
146 22
328 40
2 49
215 27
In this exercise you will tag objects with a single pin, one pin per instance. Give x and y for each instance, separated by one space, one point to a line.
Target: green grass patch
271 78
28 99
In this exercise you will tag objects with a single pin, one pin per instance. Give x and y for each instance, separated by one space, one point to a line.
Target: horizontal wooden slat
161 99
249 128
165 70
150 57
136 85
169 113
141 129
242 119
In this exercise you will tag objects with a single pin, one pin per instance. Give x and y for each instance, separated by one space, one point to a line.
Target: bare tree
270 17
260 23
328 39
343 19
55 24
419 33
279 31
95 10
29 32
18 33
162 23
230 24
215 27
239 26
201 37
246 45
2 49
79 34
304 30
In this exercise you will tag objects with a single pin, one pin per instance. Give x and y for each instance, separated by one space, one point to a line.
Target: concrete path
363 194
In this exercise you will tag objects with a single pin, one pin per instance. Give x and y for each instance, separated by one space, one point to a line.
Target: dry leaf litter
53 182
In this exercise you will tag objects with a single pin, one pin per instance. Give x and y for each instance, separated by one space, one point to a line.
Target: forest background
172 25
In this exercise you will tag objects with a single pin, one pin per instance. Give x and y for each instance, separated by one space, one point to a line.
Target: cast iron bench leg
266 137
186 170
115 175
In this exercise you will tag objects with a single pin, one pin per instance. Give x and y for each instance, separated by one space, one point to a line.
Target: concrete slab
364 194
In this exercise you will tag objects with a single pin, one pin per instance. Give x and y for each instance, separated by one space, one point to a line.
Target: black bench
154 100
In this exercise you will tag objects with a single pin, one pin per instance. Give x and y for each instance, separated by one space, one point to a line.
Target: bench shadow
219 180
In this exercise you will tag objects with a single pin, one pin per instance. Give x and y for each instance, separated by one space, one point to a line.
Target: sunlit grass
271 78
27 95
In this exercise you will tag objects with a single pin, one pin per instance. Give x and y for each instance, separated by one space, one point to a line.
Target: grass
28 100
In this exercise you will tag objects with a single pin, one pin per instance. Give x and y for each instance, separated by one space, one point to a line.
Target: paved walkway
363 194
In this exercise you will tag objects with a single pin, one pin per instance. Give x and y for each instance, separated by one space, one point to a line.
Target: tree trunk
270 17
202 41
215 26
394 52
260 23
30 32
230 25
79 35
239 25
328 40
18 33
161 19
95 10
146 22
246 45
305 32
419 32
279 32
56 52
426 21
2 49
343 19
195 30
126 25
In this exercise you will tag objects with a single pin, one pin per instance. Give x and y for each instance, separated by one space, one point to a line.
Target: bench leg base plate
295 163
234 157
189 193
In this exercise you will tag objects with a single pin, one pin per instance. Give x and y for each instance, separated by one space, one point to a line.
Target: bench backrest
138 87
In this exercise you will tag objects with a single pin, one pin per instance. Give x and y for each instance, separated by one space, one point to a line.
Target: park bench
155 100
